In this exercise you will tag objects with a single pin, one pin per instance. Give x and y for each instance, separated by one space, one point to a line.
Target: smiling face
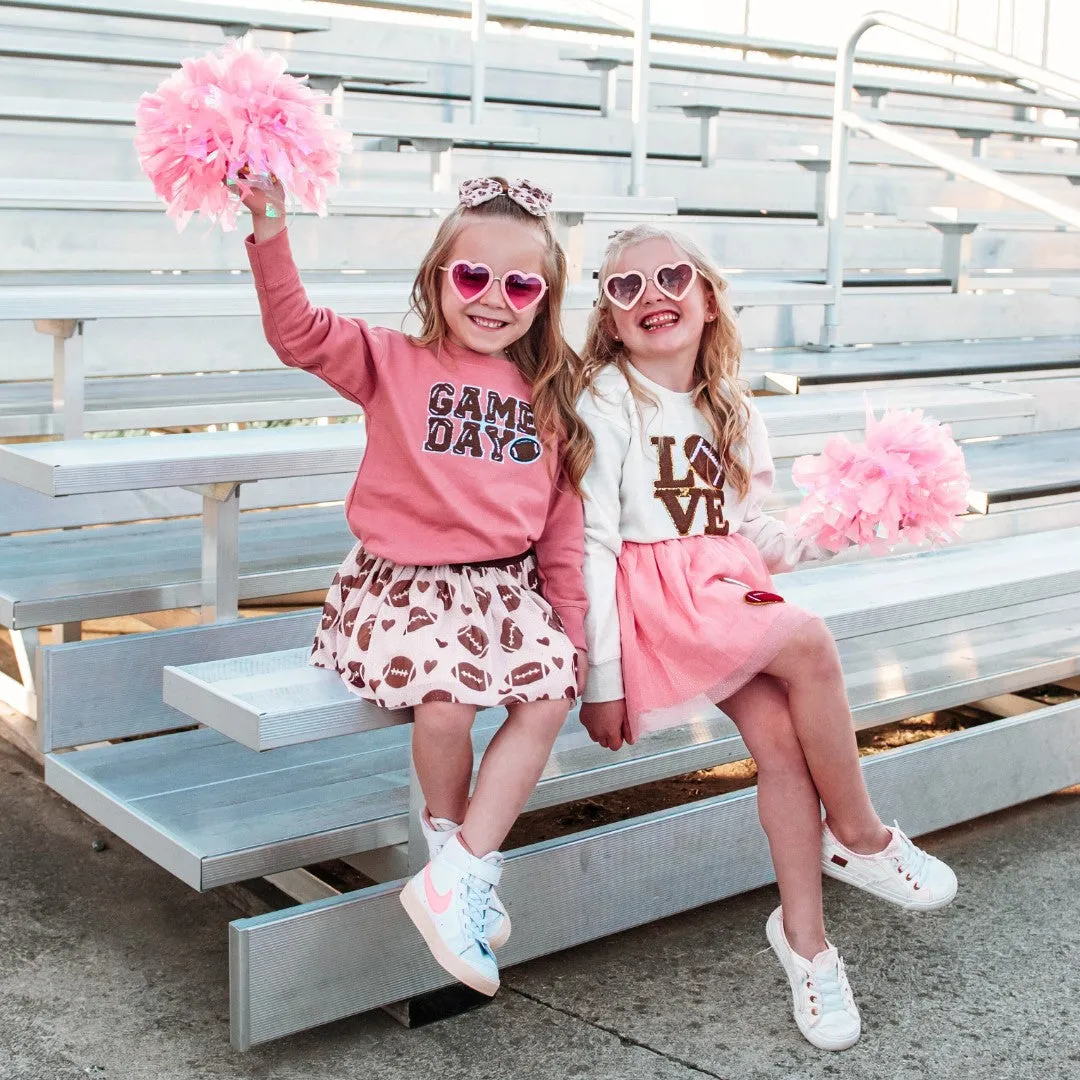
657 327
488 325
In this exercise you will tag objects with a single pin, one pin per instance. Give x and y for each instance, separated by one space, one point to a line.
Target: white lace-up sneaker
902 873
437 831
825 1010
448 902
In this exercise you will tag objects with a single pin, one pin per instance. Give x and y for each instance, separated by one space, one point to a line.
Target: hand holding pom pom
906 482
235 116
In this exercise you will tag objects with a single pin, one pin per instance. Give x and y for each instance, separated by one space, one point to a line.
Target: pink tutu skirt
479 634
689 638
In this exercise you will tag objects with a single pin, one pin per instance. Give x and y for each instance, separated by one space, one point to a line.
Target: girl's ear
609 327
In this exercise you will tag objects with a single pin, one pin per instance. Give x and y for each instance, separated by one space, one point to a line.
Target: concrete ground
110 968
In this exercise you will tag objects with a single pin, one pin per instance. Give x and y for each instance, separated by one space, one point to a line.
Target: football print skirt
478 633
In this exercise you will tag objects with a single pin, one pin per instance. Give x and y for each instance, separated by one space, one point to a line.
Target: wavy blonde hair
542 356
718 391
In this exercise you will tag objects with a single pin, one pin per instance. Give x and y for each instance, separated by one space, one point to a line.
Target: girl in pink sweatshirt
683 612
465 588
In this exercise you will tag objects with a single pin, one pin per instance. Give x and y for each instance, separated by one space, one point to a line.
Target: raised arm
343 352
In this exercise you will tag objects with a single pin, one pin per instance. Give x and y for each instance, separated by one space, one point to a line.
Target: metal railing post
479 25
844 118
639 106
836 188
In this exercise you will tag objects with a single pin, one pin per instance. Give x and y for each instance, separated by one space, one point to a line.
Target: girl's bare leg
509 771
809 666
443 756
788 807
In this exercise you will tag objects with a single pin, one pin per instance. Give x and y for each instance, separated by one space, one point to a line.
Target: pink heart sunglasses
472 280
674 280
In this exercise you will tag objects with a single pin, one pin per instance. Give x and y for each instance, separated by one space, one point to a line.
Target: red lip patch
760 596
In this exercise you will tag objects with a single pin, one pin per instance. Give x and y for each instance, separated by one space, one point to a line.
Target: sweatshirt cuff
605 681
272 260
573 621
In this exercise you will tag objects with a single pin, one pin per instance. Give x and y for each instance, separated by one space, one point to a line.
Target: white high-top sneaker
436 832
902 873
825 1010
448 902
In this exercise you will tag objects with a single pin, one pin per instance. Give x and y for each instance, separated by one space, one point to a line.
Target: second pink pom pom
235 115
906 482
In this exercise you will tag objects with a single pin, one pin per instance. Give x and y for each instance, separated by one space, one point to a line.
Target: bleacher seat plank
275 700
797 370
1024 470
68 576
116 404
138 52
233 16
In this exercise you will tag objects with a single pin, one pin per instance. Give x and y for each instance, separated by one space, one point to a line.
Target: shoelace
477 903
828 987
911 860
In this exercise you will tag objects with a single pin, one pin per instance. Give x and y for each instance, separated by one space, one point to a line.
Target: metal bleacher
214 749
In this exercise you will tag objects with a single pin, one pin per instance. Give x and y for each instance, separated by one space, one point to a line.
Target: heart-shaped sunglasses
472 280
674 280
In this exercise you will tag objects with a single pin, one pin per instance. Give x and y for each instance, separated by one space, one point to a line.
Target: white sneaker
437 831
825 1010
902 873
448 902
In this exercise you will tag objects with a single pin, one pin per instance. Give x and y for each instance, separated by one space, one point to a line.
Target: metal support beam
220 552
442 162
609 83
68 373
639 106
956 254
570 230
417 855
479 38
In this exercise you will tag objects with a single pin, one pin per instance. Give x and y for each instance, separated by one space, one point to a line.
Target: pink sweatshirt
454 471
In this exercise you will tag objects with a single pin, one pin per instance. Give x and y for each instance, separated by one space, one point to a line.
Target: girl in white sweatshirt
683 611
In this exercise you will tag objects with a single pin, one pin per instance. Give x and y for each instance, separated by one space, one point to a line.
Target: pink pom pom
229 111
906 482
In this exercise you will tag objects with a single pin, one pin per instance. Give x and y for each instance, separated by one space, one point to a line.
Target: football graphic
513 699
524 674
356 673
524 450
399 594
418 618
483 600
381 580
511 597
473 639
399 672
704 460
346 586
363 635
471 676
437 695
552 619
348 621
445 592
329 614
511 638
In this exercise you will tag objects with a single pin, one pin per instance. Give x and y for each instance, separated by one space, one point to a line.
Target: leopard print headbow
528 196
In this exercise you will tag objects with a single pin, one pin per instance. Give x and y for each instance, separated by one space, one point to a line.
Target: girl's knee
444 718
777 748
813 648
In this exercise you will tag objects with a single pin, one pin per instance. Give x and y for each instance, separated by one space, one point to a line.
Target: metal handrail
844 119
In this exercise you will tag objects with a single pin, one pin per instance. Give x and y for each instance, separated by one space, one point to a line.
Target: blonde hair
718 391
544 359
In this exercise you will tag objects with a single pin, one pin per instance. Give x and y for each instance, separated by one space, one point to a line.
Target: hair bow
528 196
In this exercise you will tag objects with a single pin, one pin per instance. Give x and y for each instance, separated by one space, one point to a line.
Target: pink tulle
235 110
906 482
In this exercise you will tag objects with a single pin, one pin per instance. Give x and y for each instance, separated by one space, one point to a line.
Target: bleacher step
212 811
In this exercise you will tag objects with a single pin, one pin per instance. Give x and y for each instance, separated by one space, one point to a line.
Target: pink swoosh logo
438 902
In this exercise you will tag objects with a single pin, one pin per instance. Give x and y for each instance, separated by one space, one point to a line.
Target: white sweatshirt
656 476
